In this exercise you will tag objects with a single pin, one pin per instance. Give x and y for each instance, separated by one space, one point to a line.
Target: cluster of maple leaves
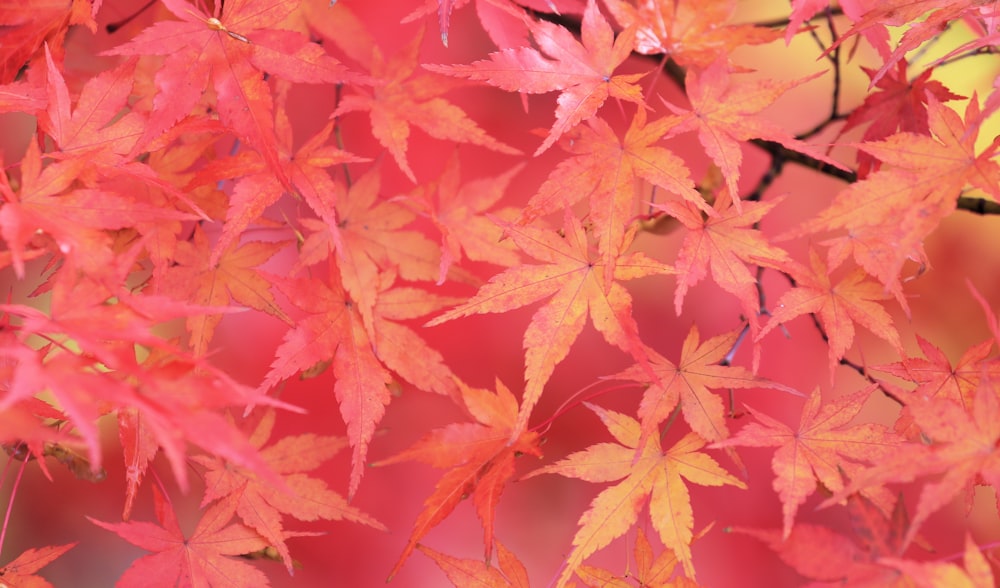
137 200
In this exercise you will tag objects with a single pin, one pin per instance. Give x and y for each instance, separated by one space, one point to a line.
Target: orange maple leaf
582 73
576 283
606 169
822 450
260 504
651 570
649 472
688 383
20 573
472 572
479 457
198 559
400 99
725 113
692 34
836 306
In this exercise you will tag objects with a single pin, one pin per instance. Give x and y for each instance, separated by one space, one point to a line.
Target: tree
309 290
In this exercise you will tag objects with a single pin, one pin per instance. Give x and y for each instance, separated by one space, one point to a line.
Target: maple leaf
198 559
70 220
479 457
724 114
962 446
400 99
582 73
834 559
889 214
691 34
925 19
900 105
698 369
648 471
27 26
650 570
977 572
370 237
469 572
333 331
822 450
93 129
139 447
260 504
234 277
836 306
725 242
606 169
459 213
256 187
21 571
576 283
233 48
935 377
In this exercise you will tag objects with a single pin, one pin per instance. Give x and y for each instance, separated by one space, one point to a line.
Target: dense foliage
320 293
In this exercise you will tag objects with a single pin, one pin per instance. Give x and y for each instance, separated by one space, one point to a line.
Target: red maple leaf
20 573
459 212
863 560
582 73
654 473
260 504
961 447
888 215
837 306
234 48
821 451
233 278
400 99
479 457
575 282
371 235
198 559
725 113
936 377
334 332
900 105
